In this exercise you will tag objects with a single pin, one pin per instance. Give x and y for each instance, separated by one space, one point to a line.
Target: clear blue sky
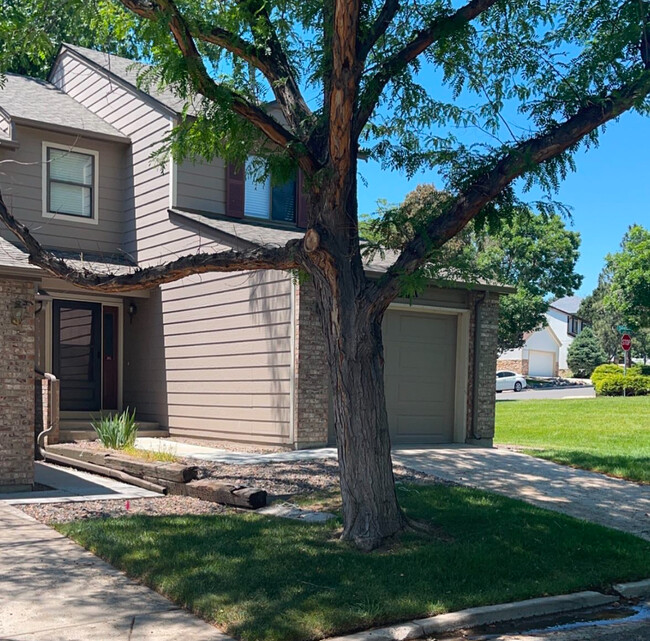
609 191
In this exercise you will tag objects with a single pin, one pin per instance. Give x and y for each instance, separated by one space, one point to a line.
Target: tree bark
353 337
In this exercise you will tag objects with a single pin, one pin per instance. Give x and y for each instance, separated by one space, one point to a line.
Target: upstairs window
575 325
70 182
266 202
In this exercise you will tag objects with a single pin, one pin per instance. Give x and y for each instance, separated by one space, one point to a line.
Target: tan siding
201 186
210 357
22 188
127 111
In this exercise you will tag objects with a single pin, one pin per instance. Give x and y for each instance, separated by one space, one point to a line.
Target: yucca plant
116 431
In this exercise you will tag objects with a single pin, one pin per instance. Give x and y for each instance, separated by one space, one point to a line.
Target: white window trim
71 217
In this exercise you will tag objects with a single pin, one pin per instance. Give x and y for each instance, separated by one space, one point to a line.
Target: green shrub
644 370
117 431
614 384
605 370
585 354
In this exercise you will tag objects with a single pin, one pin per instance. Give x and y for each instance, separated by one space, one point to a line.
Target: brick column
480 420
16 385
311 376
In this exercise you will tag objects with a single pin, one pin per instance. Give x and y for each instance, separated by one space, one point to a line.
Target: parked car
510 380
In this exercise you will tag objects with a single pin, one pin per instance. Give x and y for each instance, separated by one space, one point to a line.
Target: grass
263 578
605 434
163 455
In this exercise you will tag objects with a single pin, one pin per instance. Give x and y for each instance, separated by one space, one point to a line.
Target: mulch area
279 480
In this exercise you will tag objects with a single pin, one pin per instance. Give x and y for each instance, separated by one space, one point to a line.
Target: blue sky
609 191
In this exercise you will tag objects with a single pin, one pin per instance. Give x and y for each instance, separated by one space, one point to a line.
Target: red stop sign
626 342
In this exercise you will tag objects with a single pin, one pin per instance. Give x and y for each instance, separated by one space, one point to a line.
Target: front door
110 342
77 354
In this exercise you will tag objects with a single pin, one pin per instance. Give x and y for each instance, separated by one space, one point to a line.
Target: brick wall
480 423
519 366
16 386
311 376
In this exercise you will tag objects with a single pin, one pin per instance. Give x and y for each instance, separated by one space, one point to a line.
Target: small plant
117 431
602 371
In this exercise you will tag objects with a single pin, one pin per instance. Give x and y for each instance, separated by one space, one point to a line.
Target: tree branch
488 186
378 28
205 85
423 39
284 258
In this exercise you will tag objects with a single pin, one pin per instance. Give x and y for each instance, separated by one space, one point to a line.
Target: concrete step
82 430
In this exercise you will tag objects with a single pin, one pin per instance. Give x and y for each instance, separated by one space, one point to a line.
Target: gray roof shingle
568 304
12 256
33 100
130 72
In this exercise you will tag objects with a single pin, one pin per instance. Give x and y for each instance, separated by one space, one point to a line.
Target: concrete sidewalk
68 485
53 590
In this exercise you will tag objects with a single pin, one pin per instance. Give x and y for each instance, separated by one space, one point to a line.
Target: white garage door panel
420 373
541 363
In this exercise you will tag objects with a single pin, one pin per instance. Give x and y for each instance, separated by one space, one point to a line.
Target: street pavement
538 394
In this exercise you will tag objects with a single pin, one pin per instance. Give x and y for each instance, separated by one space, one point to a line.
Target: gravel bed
284 479
155 506
281 480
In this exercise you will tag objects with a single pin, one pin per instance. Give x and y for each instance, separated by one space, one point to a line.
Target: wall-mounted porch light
19 311
133 310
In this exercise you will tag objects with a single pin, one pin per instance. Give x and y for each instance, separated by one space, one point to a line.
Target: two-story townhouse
544 352
235 357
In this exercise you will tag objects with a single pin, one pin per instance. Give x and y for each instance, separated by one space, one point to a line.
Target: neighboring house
544 352
236 357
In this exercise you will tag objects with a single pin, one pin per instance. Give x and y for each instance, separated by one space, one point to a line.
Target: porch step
82 430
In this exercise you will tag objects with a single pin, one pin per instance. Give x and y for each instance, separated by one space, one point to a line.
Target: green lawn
605 434
278 580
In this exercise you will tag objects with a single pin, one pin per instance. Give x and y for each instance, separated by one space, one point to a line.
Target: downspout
83 465
478 325
40 439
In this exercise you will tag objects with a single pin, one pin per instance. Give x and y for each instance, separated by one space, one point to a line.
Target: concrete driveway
621 505
538 394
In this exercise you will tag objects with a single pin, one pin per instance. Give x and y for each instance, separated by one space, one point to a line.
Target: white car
510 380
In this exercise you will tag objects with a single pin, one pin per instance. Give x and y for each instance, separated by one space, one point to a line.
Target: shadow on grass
279 580
629 467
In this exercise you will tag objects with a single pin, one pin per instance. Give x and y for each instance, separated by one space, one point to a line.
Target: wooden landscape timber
165 478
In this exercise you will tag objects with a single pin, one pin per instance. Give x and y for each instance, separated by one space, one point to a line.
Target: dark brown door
76 335
110 357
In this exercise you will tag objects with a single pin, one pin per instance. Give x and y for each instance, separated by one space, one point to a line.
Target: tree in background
32 30
484 91
629 293
585 354
533 252
622 297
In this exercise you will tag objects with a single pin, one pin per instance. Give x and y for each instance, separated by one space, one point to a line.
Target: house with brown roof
229 357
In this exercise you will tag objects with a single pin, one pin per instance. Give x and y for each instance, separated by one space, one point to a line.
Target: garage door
541 363
420 374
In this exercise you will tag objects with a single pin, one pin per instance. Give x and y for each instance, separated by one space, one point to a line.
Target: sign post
626 343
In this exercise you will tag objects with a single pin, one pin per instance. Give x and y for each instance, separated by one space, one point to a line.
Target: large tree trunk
371 514
352 330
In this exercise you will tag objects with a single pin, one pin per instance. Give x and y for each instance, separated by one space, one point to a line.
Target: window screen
70 182
270 203
257 195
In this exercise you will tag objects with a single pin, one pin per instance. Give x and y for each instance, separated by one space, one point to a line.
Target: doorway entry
86 355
